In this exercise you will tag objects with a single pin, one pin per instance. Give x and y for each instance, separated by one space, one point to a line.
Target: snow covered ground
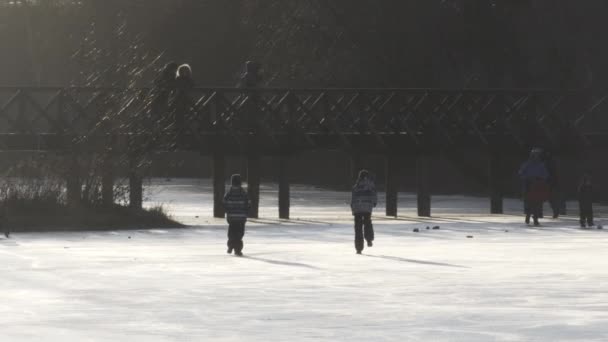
302 281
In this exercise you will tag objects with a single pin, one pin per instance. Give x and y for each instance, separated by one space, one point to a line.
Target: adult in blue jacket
364 200
236 203
533 170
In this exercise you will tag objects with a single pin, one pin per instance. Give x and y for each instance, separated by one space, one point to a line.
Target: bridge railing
419 116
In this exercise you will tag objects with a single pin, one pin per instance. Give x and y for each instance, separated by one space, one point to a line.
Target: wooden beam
284 191
253 185
73 184
422 182
219 185
392 185
107 182
136 184
495 179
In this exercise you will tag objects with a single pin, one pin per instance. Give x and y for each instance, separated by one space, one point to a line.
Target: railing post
107 181
422 180
135 184
495 178
284 193
355 167
107 174
73 185
219 185
392 186
253 184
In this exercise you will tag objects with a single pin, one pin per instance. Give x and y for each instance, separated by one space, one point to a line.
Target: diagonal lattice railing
275 119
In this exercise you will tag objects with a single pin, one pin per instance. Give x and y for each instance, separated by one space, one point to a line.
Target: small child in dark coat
236 203
585 202
538 193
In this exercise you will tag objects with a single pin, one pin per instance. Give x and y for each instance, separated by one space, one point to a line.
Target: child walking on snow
585 202
364 200
236 203
538 193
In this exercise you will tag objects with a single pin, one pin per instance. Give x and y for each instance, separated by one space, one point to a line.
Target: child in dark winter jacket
538 193
585 202
533 171
364 200
236 203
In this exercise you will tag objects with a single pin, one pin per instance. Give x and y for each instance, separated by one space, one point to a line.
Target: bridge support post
107 182
495 173
136 185
355 167
219 185
253 185
73 185
422 182
392 185
284 193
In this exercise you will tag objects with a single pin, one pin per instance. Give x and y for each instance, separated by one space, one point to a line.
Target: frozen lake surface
302 281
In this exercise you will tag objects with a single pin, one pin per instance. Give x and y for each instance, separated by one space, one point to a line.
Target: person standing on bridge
534 175
184 83
363 201
164 87
236 203
252 77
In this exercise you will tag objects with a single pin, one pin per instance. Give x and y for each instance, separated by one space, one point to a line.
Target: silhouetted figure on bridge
585 202
250 80
184 83
164 88
534 175
252 77
236 203
363 202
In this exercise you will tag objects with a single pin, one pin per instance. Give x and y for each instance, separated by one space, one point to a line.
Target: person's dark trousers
586 214
236 231
555 202
363 230
533 209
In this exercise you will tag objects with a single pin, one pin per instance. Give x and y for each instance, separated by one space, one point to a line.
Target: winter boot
370 243
527 219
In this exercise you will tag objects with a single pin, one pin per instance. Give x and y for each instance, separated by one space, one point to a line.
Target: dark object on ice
506 231
229 250
427 228
469 236
196 216
129 237
358 252
599 226
238 253
370 244
416 230
7 233
436 228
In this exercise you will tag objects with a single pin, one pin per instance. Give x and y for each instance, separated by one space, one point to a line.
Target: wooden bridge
282 122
